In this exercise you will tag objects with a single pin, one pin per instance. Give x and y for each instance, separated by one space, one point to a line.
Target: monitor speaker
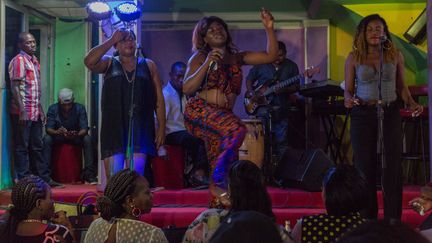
303 169
416 33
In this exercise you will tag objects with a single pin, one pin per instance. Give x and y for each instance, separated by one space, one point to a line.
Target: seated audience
126 196
246 226
344 194
247 192
27 219
67 123
175 130
382 232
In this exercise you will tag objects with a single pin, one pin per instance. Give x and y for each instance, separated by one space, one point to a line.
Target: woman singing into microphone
214 77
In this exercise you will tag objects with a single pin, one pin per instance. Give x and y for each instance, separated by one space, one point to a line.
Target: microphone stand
380 116
129 149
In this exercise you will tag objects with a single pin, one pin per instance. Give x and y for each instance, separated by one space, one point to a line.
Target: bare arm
403 90
350 99
197 69
23 116
296 233
160 104
254 58
95 60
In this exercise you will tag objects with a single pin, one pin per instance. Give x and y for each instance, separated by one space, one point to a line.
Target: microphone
383 38
214 64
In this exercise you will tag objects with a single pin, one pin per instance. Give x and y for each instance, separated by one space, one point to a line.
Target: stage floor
179 207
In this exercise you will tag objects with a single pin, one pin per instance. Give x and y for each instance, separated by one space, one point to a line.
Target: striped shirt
25 69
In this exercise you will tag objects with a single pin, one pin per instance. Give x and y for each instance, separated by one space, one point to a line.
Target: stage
178 208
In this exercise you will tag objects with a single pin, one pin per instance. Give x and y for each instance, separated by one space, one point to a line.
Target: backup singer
120 73
362 71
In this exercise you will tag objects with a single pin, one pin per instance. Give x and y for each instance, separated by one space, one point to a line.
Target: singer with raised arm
131 93
362 72
214 77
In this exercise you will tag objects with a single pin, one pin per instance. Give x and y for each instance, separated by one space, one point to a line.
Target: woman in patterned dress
213 77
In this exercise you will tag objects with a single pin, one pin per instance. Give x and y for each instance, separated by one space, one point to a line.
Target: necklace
32 221
125 73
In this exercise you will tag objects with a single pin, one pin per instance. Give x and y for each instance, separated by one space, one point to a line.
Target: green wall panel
70 49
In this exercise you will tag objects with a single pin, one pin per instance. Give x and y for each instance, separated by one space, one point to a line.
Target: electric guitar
261 92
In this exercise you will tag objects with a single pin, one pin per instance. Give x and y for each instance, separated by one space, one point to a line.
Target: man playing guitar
269 75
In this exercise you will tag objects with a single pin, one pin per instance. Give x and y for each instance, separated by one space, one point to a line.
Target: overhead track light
128 11
98 11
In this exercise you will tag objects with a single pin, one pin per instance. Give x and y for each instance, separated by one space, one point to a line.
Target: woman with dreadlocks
362 70
126 197
32 207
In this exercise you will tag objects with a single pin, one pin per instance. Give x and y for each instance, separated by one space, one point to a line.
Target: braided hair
122 184
24 196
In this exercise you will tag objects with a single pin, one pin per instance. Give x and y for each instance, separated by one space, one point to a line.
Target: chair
414 146
169 172
66 163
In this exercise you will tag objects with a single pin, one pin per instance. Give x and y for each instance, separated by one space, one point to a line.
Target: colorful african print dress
222 131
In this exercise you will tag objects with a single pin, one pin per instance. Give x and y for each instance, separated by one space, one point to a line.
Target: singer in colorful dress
213 80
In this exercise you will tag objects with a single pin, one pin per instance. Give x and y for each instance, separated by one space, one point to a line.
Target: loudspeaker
416 33
303 169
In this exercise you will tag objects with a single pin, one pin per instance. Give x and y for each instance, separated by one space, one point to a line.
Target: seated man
176 133
67 123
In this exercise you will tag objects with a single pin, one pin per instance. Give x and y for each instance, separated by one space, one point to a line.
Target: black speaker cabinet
303 169
416 33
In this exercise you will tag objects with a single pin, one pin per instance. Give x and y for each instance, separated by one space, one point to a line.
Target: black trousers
364 142
194 146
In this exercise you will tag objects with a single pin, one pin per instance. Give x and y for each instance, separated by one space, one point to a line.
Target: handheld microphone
214 64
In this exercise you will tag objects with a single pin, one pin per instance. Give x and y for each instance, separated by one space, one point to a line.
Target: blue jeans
85 142
28 149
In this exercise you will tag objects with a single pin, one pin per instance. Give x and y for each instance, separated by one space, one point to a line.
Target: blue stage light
128 11
98 11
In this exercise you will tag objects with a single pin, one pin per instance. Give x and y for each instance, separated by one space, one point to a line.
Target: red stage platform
179 207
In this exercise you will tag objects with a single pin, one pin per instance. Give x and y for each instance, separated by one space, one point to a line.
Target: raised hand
120 34
267 18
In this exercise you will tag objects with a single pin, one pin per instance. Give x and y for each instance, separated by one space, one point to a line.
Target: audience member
344 194
32 207
247 192
67 123
246 226
382 232
126 196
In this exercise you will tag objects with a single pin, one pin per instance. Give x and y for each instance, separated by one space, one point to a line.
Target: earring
389 44
136 212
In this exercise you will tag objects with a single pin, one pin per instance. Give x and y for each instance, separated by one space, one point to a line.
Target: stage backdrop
306 41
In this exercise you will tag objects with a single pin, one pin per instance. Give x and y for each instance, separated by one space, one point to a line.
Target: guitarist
270 74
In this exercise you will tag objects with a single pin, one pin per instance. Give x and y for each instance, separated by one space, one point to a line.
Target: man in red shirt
26 111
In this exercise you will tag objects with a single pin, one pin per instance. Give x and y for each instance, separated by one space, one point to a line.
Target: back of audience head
247 188
383 232
126 193
30 196
246 226
344 190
